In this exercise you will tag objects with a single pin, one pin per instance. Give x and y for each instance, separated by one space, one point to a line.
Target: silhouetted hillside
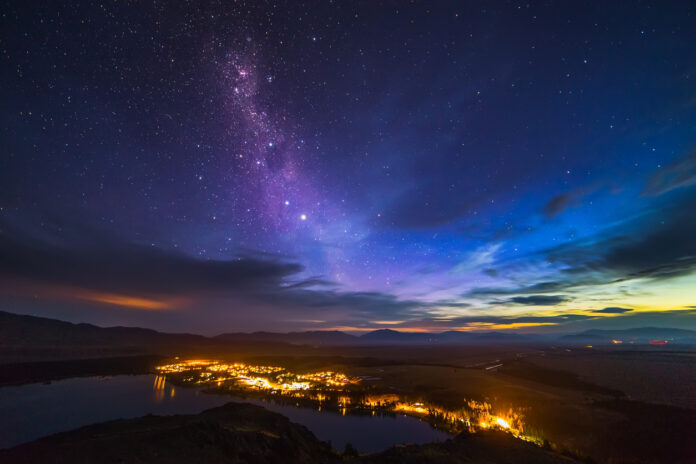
16 329
38 338
316 337
483 447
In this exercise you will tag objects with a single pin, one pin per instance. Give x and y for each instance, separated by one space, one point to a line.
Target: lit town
332 391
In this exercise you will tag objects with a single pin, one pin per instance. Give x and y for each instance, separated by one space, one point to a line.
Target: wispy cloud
613 310
538 300
677 174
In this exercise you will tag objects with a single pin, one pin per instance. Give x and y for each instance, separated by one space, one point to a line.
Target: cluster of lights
475 416
184 366
328 378
273 379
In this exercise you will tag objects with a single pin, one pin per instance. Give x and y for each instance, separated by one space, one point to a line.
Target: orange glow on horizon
52 292
125 300
505 326
472 327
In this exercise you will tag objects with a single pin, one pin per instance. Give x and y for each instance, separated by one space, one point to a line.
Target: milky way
267 159
356 165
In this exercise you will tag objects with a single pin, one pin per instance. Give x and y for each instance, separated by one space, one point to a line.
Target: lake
36 410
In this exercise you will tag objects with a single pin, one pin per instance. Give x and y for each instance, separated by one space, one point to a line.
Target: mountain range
22 332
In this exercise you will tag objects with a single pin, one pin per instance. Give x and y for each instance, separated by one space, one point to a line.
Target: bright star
303 217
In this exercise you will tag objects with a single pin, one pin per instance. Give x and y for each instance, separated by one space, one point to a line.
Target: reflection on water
32 411
159 389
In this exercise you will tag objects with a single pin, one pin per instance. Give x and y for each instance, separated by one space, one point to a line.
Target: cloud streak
538 300
108 265
677 174
612 310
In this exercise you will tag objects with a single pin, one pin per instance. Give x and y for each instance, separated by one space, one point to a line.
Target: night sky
229 166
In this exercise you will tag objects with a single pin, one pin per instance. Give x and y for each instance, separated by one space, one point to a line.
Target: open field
656 376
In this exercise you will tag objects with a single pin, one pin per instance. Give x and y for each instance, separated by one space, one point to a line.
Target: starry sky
218 166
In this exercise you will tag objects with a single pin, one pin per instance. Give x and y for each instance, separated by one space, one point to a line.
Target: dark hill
483 447
394 336
30 338
315 337
234 433
388 336
18 329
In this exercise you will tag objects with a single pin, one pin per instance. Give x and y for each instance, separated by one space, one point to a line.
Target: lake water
31 411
